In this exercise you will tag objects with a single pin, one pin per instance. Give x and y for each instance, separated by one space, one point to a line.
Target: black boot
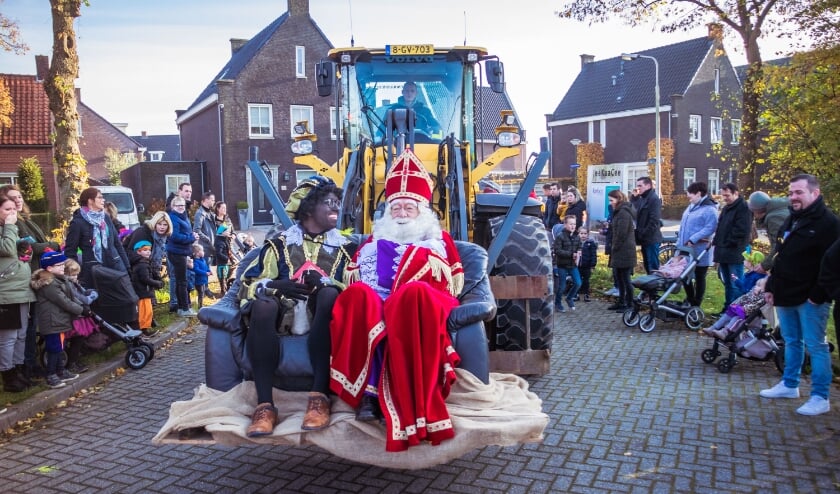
11 382
21 372
369 409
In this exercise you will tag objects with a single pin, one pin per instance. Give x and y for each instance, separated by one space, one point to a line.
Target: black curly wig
315 196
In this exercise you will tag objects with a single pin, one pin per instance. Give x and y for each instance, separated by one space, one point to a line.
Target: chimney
298 7
236 44
715 31
143 133
42 67
585 59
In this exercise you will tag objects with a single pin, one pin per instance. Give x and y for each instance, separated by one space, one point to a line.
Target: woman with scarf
92 232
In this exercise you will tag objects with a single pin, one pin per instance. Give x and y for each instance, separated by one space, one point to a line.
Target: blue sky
130 51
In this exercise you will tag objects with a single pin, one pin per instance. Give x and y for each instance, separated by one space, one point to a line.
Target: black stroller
747 338
655 290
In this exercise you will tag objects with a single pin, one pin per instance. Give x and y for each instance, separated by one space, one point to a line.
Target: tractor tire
527 252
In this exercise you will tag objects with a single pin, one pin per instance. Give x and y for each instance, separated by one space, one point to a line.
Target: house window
299 114
335 124
714 181
715 130
689 177
300 61
8 178
736 131
155 155
717 81
301 175
694 128
173 181
259 121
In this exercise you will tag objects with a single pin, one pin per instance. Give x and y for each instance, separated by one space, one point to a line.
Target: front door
263 214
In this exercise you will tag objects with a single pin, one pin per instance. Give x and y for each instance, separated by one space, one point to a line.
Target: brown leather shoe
264 420
317 412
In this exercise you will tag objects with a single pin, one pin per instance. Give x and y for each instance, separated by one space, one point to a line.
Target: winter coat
143 232
578 210
82 295
204 224
223 249
14 285
566 245
28 228
803 241
201 271
746 282
56 307
698 224
733 231
829 278
623 251
80 236
648 218
589 254
181 240
143 278
778 210
550 218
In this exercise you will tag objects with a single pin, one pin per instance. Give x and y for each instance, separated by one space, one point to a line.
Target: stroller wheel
136 358
647 322
630 317
149 349
694 318
724 366
709 355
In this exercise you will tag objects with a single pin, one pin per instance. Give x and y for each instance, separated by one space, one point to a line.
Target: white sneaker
780 391
187 313
815 405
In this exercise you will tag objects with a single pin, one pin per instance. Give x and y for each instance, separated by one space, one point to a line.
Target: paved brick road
630 412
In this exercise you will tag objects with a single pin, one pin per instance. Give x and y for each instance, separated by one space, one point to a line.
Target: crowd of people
48 289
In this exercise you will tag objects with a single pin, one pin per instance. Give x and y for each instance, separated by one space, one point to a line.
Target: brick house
613 102
96 135
266 86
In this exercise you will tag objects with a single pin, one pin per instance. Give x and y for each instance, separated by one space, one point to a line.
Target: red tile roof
31 120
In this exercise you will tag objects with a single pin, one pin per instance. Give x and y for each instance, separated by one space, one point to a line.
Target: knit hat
758 201
302 190
408 179
222 228
143 244
51 258
755 257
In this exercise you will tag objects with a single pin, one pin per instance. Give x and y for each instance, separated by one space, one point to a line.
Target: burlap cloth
502 413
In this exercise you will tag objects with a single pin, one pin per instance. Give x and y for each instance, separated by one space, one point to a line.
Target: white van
123 198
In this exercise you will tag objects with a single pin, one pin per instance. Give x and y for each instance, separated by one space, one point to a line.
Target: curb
49 398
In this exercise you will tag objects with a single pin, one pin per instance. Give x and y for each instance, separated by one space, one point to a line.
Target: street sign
574 165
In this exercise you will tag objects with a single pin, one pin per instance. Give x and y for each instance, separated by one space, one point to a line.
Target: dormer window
155 155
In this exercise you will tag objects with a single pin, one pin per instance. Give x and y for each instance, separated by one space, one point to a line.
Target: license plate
392 50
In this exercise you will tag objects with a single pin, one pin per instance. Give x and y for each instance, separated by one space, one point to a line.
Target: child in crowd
740 309
224 247
145 281
55 310
752 259
82 326
588 260
566 257
673 268
201 272
248 243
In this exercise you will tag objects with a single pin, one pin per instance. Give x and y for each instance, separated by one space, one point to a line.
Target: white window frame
173 181
714 181
300 62
715 130
298 113
265 130
695 127
736 131
156 155
689 172
335 123
8 178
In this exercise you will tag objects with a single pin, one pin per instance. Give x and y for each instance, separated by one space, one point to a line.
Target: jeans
173 298
731 291
561 276
805 323
12 341
650 257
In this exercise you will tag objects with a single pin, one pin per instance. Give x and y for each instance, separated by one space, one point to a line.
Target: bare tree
9 41
60 86
749 19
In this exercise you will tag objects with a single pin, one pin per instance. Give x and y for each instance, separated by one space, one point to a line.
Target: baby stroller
747 338
138 352
653 298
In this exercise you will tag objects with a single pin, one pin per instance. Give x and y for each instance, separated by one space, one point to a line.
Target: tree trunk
60 86
748 176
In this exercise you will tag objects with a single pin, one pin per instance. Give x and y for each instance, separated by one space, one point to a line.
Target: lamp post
634 56
575 166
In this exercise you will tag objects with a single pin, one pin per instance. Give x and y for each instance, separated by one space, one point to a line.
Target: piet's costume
394 312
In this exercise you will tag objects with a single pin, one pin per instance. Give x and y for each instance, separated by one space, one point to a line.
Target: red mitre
408 179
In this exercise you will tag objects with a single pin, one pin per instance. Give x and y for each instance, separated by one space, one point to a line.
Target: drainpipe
221 107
